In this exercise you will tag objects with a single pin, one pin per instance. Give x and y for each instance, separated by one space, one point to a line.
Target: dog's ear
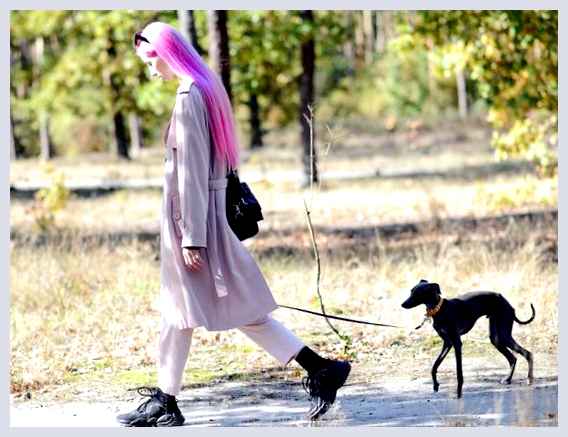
436 288
423 281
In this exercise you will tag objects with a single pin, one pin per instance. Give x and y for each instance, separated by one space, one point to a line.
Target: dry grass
87 313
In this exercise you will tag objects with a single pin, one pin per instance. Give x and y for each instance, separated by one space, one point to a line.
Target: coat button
177 215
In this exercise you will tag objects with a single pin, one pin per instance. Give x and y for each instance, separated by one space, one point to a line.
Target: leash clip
426 319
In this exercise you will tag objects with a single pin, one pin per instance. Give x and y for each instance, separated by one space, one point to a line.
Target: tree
308 56
219 48
188 28
512 57
33 44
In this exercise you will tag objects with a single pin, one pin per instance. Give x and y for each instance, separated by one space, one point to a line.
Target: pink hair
169 44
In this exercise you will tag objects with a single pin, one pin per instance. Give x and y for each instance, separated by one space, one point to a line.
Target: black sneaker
160 410
322 386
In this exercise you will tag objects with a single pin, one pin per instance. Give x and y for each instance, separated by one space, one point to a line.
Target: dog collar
431 312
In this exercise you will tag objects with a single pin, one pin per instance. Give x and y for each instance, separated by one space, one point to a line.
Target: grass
83 313
93 317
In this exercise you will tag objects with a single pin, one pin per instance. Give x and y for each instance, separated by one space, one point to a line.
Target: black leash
339 318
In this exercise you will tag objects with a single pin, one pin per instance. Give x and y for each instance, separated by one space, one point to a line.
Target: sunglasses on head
139 37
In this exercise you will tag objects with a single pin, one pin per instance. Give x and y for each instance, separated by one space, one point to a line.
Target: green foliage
513 58
397 85
261 44
88 72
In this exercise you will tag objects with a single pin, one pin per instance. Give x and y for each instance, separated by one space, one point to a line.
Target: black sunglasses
139 37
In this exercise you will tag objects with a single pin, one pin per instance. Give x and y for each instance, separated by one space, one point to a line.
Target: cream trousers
174 343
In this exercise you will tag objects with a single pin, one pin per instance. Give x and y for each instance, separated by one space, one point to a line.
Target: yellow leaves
50 200
446 59
534 138
497 117
404 44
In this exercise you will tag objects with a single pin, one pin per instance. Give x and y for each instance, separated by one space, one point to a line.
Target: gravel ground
385 402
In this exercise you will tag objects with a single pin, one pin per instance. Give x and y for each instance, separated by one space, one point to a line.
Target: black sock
168 398
310 360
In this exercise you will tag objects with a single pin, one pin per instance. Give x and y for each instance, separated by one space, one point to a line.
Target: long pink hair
170 45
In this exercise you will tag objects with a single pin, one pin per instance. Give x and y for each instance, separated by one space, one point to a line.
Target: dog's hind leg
445 349
497 341
511 343
457 344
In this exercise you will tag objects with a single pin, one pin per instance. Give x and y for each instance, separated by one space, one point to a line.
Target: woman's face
158 67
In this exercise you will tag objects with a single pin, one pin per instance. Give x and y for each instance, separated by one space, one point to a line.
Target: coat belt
218 278
217 184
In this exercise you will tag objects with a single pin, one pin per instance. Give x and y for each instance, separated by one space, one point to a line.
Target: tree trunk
255 122
219 48
308 55
384 25
13 146
183 22
45 143
359 40
135 134
462 92
369 36
188 29
380 36
26 64
120 139
349 45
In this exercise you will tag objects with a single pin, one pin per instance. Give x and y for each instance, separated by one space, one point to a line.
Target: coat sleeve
193 155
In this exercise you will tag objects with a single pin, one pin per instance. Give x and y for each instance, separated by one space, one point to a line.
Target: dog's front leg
445 349
457 344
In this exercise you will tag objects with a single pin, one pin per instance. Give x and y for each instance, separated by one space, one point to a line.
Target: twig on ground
344 338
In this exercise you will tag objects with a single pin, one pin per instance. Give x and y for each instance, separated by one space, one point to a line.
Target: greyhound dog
455 317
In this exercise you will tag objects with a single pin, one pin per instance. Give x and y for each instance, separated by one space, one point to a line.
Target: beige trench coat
229 290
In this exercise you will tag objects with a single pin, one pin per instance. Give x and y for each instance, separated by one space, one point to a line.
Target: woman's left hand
192 258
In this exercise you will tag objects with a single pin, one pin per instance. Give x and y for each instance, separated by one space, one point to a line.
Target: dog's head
427 293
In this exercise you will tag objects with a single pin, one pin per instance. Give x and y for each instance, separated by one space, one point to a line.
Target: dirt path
385 402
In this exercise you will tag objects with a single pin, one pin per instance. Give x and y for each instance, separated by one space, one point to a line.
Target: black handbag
243 210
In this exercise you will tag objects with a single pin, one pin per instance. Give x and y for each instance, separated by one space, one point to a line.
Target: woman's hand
192 258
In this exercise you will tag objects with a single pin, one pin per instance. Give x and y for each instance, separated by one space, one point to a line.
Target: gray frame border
243 5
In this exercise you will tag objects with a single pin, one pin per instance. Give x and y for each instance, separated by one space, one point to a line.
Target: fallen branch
344 338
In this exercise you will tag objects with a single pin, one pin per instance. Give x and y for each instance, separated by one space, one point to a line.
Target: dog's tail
526 322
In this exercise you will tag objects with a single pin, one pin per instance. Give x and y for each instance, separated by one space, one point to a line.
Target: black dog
455 317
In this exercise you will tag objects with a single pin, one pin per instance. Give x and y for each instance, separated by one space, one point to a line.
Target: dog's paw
506 381
530 380
436 387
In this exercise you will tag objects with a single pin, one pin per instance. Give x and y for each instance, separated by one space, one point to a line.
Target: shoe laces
312 383
150 392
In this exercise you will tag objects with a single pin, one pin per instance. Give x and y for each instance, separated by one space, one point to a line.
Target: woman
208 278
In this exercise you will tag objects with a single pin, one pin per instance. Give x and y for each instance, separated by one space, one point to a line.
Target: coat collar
184 84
